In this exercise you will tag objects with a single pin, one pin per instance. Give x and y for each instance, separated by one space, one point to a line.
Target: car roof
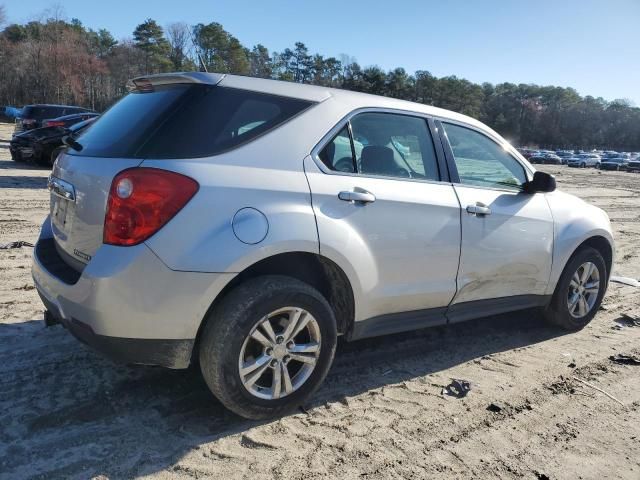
38 105
71 116
301 91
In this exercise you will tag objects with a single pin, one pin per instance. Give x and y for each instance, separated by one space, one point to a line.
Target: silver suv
247 223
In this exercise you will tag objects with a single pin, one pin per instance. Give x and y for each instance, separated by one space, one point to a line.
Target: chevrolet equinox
246 223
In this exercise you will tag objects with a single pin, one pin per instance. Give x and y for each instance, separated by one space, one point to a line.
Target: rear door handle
357 196
478 209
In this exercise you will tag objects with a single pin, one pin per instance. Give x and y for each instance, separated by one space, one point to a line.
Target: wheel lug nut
274 363
279 339
290 345
269 351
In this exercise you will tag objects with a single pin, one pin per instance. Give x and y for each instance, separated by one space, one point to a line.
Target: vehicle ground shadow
23 181
10 164
59 398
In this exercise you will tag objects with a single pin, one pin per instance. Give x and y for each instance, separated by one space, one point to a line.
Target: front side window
383 144
481 161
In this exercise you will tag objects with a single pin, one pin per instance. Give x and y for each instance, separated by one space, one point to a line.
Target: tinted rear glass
40 113
185 121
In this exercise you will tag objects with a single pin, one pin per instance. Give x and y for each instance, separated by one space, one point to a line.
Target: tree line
58 61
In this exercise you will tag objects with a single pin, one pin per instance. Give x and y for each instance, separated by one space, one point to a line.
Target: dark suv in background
33 115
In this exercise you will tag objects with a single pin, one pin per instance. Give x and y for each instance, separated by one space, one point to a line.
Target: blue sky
593 46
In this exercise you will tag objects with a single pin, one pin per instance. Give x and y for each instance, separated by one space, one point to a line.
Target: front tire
579 291
267 346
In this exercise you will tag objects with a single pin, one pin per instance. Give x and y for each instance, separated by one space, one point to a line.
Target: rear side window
185 121
384 144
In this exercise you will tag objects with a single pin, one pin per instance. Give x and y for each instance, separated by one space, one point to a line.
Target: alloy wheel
583 290
280 353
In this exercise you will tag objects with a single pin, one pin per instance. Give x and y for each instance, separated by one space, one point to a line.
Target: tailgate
79 189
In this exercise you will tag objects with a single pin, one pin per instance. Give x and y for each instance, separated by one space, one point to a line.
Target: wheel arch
316 270
600 241
602 245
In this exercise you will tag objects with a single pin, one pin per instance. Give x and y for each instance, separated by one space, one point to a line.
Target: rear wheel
268 346
579 291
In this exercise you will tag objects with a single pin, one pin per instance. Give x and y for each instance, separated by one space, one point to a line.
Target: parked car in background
32 116
584 160
527 152
182 230
614 163
546 158
42 145
634 165
68 120
9 113
564 155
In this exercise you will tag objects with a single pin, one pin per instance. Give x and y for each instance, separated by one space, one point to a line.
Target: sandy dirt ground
65 412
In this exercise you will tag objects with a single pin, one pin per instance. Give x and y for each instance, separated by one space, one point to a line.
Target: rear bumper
143 351
126 303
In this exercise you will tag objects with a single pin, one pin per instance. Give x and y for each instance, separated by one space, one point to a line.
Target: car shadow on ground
168 413
23 182
10 164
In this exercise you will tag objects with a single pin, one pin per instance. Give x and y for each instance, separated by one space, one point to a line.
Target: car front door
383 211
507 234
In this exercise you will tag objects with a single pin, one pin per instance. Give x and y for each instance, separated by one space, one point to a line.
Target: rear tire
237 326
576 288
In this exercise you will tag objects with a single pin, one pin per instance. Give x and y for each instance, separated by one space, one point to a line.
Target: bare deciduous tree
179 37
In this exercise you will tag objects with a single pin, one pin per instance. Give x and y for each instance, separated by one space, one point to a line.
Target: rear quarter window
186 121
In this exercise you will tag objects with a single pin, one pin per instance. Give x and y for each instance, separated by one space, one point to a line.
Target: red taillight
53 123
143 200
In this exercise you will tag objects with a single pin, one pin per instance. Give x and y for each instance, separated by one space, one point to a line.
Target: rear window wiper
69 141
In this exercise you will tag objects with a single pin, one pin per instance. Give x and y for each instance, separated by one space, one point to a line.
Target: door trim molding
398 322
417 319
461 312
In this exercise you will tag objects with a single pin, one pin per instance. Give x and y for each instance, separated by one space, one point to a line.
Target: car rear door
382 209
507 234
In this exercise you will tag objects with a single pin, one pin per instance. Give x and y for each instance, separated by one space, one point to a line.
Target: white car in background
585 160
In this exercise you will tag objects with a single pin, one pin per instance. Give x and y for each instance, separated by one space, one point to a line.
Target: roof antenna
195 46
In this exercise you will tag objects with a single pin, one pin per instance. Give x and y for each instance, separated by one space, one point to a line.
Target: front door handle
357 196
479 209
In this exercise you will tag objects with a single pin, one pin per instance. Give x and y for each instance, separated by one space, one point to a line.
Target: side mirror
542 182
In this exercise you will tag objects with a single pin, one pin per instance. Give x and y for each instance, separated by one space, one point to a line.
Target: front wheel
579 291
268 346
